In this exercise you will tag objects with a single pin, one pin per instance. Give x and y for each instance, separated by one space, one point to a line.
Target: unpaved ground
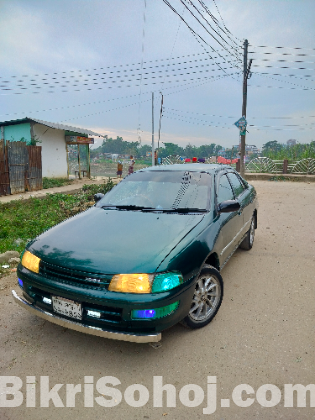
263 333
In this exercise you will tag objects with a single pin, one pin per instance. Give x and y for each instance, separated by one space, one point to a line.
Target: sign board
241 123
79 140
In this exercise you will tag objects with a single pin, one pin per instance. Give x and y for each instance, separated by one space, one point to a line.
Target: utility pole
153 160
160 122
245 78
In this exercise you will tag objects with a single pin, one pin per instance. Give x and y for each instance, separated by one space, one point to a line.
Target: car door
229 221
241 194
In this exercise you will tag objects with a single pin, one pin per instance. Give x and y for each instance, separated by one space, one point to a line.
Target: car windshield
161 190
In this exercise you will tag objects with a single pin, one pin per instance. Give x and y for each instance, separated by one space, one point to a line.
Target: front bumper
100 332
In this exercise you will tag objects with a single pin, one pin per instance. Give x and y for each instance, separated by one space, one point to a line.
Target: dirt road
263 333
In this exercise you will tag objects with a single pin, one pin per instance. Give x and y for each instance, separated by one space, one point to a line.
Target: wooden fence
20 167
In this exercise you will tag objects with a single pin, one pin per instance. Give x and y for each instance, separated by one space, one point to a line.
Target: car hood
114 241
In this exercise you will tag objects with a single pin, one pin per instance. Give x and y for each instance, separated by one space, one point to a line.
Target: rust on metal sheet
34 179
17 158
4 170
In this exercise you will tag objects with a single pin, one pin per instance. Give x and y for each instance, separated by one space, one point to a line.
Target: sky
95 64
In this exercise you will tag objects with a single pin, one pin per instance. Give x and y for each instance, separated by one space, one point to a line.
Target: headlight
145 283
166 281
31 262
131 283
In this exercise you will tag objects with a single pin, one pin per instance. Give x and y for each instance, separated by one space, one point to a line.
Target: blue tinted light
145 313
20 283
166 281
154 313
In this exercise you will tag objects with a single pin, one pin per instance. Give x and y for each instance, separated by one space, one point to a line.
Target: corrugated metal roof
52 125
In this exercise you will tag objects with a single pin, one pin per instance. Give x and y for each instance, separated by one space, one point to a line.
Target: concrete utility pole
245 78
153 160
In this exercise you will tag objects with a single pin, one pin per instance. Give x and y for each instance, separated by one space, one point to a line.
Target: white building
50 136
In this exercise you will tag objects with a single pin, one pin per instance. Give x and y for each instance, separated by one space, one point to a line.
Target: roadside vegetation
278 151
56 182
23 220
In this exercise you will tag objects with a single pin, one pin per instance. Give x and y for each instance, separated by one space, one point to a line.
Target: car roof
193 167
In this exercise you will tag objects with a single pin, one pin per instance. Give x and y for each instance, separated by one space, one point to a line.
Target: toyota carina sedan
146 256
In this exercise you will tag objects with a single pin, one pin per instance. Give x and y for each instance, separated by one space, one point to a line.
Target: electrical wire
112 77
142 55
208 80
233 54
229 116
286 81
111 67
223 39
129 80
252 127
289 48
190 28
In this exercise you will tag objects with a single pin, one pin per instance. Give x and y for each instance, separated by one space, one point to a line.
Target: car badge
92 280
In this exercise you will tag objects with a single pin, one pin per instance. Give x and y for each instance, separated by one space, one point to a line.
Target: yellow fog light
131 283
31 262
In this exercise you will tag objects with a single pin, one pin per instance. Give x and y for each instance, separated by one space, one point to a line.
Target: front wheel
248 241
207 298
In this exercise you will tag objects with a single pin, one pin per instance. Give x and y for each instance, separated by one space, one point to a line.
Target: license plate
67 307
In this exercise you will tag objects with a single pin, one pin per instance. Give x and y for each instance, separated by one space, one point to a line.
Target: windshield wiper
142 208
182 210
127 207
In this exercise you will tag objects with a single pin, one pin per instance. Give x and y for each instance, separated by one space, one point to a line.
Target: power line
286 81
207 29
215 20
277 53
130 80
223 39
111 67
289 48
190 28
208 80
284 67
228 128
288 75
229 116
250 125
142 55
125 75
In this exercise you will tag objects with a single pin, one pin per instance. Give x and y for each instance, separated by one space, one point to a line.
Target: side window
225 191
236 184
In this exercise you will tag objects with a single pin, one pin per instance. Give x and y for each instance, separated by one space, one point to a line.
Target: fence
20 167
266 165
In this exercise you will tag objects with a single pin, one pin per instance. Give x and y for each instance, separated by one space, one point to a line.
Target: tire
204 305
248 241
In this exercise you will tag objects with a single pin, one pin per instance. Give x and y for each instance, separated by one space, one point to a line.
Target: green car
146 256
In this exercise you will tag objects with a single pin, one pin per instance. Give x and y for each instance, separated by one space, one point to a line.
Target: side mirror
98 197
229 206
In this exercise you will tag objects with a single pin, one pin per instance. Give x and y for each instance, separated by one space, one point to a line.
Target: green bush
23 220
55 182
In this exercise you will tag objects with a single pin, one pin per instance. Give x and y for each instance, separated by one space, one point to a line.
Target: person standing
119 168
131 164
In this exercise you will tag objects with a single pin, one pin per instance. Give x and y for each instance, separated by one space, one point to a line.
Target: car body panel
80 256
142 238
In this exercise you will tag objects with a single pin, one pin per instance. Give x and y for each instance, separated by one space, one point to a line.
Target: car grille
69 276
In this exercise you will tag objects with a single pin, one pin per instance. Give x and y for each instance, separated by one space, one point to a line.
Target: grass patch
55 182
23 220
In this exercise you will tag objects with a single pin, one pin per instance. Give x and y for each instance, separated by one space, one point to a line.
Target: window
225 191
236 184
162 190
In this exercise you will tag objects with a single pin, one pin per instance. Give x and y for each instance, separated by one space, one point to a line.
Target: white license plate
67 307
